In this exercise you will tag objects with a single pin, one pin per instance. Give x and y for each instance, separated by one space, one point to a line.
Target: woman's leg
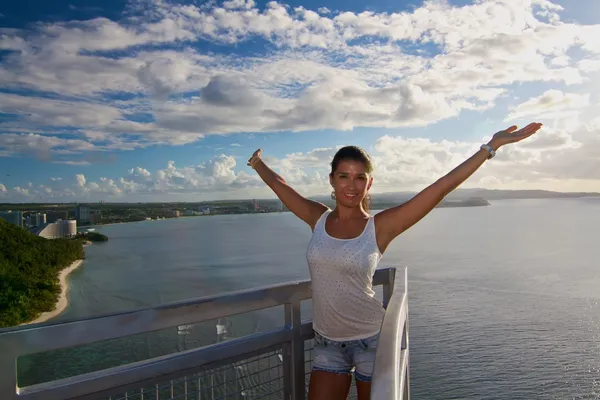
363 390
364 359
330 377
329 385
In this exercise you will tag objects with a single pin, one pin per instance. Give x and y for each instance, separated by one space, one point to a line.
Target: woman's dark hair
353 153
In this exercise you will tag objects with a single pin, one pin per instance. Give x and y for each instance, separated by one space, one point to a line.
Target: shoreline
63 301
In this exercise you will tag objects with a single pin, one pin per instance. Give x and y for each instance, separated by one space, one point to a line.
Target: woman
346 246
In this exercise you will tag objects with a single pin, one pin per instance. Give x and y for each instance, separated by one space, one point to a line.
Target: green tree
29 271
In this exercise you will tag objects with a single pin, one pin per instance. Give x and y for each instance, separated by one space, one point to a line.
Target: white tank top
341 271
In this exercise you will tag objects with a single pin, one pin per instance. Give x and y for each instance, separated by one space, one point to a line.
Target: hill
29 270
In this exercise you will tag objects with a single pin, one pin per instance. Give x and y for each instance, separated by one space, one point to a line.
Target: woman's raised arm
307 210
393 221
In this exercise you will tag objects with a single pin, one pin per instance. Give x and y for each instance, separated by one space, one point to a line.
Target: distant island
378 203
33 274
92 237
462 195
471 202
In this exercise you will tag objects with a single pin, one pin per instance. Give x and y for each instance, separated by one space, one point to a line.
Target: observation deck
275 364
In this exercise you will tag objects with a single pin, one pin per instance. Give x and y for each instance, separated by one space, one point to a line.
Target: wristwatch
489 149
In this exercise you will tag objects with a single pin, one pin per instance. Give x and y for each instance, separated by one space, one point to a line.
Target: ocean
504 300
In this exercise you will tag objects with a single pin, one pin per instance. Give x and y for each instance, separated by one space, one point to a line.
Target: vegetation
29 270
93 237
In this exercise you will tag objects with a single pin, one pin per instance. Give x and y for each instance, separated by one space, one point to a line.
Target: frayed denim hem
362 377
335 371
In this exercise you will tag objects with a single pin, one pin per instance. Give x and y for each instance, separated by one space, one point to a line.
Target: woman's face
350 182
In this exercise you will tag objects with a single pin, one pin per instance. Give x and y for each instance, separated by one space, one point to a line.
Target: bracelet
489 149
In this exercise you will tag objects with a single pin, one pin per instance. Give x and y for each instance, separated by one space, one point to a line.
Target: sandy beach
63 302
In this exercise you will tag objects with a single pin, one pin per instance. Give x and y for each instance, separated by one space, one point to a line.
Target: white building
59 229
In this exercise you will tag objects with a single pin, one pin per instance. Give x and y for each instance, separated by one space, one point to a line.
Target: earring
368 196
333 194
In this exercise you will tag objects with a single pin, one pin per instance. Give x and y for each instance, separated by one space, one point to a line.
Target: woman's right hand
255 158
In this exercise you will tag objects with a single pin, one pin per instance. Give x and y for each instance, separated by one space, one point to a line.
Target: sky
159 100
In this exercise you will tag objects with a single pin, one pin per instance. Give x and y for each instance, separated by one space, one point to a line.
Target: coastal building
173 213
82 213
95 217
204 210
37 219
58 229
13 217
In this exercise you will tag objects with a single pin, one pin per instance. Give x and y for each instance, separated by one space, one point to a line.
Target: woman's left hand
512 135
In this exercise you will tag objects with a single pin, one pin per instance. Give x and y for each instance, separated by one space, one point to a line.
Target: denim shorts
343 357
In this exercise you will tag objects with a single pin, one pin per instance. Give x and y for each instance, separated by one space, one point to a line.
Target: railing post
8 374
388 287
405 344
293 355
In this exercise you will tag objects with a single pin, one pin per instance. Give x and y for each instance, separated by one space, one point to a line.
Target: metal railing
391 373
268 365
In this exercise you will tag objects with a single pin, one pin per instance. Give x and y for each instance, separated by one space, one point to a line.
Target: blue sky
165 100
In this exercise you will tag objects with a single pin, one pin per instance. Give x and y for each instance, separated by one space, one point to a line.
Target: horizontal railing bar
135 375
35 339
275 340
28 339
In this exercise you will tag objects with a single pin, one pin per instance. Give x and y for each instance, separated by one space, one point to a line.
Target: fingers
531 128
534 126
252 160
526 132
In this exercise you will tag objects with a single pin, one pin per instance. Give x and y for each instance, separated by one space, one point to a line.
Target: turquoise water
504 300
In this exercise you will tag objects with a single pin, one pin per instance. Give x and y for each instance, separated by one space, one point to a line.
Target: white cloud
41 111
42 146
21 191
552 104
334 70
589 65
80 178
78 88
3 189
234 4
107 185
139 172
562 156
79 163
